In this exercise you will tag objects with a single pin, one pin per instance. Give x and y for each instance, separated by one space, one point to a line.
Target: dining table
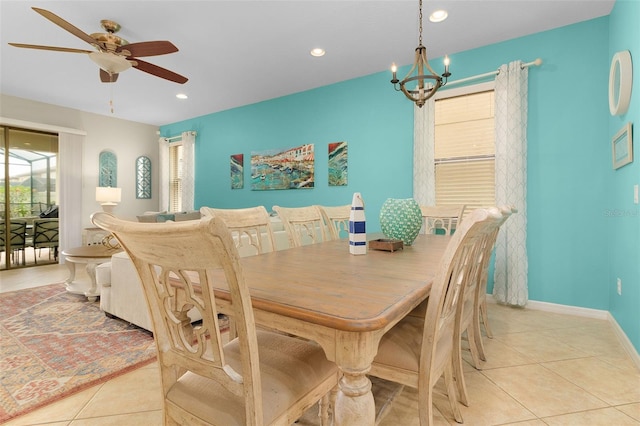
343 302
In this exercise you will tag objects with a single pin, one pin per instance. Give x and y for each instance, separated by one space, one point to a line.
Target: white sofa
121 292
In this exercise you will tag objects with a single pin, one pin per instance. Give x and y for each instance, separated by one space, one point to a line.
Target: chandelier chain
420 28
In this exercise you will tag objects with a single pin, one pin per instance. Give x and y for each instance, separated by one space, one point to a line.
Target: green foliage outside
19 200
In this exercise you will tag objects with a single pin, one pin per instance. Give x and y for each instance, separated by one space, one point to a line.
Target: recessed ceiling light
438 16
181 96
317 52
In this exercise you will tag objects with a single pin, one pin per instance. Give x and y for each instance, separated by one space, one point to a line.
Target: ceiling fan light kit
113 54
111 63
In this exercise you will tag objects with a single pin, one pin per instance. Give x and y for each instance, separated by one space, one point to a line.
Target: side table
91 256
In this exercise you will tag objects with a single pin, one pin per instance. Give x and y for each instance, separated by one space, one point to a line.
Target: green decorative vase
401 219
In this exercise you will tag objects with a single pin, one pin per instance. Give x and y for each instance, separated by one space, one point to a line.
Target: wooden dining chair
259 378
416 352
473 296
336 219
507 211
250 228
251 231
441 219
304 225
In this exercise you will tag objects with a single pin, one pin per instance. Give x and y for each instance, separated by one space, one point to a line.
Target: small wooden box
386 244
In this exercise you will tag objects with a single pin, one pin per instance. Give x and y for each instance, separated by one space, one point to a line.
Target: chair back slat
441 219
250 228
336 220
304 225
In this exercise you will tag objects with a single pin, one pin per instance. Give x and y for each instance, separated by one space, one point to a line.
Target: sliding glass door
28 197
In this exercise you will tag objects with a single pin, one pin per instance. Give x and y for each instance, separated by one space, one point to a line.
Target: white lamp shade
108 195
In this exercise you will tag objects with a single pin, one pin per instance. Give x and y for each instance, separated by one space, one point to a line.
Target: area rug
54 344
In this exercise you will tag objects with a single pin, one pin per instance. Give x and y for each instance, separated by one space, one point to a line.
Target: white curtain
188 178
70 174
163 203
188 170
511 264
424 176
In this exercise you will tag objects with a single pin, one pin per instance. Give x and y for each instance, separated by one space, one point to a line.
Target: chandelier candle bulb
357 226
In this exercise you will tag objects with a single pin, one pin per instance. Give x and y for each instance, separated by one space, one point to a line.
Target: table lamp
108 197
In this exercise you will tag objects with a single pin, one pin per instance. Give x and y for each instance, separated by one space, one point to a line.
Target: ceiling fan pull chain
111 100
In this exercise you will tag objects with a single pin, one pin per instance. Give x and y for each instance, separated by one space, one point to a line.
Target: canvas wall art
337 164
237 171
289 168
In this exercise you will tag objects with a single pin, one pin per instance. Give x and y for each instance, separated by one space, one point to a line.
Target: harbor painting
337 164
237 171
289 168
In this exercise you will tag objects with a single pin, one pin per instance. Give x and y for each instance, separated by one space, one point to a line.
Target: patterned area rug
53 344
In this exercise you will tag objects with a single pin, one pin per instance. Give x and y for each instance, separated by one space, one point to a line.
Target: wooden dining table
343 302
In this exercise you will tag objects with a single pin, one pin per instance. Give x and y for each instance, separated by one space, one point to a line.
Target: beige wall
127 139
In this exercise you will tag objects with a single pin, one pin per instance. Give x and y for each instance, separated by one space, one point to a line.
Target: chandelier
427 84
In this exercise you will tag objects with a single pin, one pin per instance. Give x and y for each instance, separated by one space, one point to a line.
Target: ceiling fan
113 54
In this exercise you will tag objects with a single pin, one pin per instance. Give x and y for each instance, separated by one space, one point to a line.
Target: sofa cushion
192 215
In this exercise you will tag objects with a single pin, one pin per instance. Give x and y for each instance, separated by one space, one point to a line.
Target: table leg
72 271
93 293
354 405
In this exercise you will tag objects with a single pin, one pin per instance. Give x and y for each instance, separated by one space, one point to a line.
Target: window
176 155
464 149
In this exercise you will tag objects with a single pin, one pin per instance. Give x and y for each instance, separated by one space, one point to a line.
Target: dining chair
251 231
441 219
45 235
258 378
473 296
506 210
17 239
336 219
304 225
250 228
416 352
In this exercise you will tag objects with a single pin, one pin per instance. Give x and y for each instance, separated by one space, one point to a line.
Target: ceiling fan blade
57 49
105 77
65 25
149 48
159 72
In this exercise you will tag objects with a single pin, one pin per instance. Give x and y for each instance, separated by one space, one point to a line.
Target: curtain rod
175 138
536 63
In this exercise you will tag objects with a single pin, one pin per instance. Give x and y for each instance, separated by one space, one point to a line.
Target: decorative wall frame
143 177
288 168
108 169
337 164
236 164
620 82
622 146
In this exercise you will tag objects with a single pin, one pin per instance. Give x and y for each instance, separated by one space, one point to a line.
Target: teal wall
623 221
569 158
377 123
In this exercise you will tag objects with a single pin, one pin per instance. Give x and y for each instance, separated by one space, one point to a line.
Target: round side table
91 256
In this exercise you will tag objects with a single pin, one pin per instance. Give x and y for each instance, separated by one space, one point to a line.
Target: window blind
175 177
465 150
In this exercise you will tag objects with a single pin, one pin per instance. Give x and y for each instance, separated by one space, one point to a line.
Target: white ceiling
240 52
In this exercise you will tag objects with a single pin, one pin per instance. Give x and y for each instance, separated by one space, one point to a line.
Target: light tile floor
542 369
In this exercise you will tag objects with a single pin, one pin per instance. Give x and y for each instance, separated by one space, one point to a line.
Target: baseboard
624 340
588 313
569 310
